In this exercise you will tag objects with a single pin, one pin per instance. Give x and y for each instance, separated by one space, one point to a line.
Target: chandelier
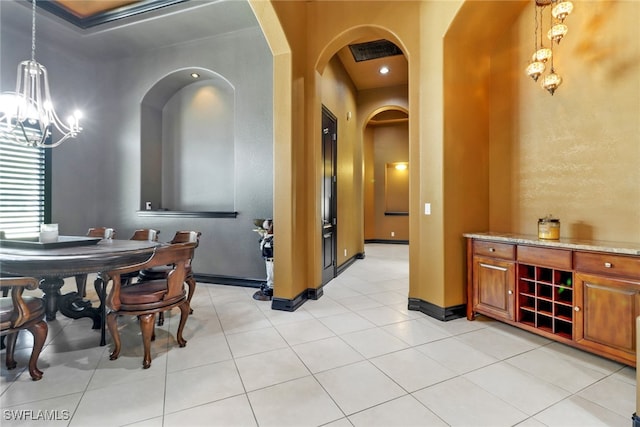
27 116
543 55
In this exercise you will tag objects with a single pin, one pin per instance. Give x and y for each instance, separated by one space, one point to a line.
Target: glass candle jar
48 233
549 228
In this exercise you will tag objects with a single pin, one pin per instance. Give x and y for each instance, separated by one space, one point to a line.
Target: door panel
605 313
494 285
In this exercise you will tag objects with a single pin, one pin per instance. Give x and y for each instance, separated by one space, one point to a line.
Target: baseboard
284 304
276 303
441 313
389 242
228 280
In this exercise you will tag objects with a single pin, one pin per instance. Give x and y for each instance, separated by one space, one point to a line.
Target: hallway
355 357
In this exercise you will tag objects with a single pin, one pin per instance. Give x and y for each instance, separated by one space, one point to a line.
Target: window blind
22 189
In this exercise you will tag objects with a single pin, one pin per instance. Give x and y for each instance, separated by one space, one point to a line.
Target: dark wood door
329 202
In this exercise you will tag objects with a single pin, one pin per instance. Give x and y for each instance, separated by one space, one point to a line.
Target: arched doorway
361 73
386 176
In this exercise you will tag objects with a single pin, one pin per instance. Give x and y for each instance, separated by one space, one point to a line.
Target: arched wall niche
187 144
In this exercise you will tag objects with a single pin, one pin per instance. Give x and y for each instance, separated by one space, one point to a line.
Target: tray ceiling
105 29
89 13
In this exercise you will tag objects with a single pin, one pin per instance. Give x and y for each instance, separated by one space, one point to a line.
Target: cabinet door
494 287
605 313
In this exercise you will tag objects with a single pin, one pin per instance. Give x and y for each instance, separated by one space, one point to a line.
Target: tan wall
369 184
575 154
427 278
387 144
513 153
488 149
284 29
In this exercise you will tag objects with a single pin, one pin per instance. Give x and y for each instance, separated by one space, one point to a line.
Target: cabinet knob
510 292
576 308
608 265
492 250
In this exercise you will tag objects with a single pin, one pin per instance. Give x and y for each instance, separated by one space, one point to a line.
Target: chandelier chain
539 24
551 44
33 30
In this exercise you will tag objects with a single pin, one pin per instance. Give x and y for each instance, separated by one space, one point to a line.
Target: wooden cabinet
607 303
493 290
585 298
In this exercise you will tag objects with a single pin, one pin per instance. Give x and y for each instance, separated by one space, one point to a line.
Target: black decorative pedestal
264 294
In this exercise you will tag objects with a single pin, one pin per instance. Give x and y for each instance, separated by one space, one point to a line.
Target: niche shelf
187 214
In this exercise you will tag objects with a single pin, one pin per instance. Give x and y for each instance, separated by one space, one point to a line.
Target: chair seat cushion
34 304
144 292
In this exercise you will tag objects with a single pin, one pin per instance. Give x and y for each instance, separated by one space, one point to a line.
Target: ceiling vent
374 50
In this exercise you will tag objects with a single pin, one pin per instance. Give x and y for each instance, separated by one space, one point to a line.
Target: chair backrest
101 232
186 237
177 254
150 234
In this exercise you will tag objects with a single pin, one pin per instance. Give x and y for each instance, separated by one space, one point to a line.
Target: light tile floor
355 357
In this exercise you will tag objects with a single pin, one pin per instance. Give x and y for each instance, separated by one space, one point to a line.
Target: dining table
69 256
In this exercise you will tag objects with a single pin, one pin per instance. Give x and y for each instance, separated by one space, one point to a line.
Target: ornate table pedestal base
51 288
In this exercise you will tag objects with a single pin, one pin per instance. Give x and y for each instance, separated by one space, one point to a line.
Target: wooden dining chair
146 299
160 272
150 234
18 312
97 232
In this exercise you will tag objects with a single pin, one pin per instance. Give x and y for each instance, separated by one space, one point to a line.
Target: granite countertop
626 248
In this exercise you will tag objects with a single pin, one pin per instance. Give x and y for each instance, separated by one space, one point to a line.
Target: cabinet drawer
545 257
607 264
493 249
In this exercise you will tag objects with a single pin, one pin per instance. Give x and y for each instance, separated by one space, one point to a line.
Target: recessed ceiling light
195 75
384 69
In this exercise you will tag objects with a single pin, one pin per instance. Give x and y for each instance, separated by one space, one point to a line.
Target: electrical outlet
345 252
393 234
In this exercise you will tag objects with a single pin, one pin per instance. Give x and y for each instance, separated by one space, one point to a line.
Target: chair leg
112 324
39 332
11 346
191 283
81 285
147 323
98 286
184 314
